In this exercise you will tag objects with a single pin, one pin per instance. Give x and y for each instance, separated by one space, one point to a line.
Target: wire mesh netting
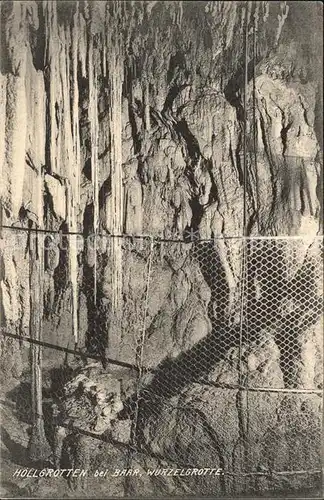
202 357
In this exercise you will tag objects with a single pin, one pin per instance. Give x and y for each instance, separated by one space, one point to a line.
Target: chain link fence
202 369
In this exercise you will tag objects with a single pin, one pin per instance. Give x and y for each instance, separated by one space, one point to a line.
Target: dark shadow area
59 377
98 314
215 277
37 39
14 490
265 265
21 396
87 169
291 327
61 272
16 452
173 375
192 144
5 13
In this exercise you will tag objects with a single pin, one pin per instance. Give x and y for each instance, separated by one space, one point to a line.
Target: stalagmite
38 447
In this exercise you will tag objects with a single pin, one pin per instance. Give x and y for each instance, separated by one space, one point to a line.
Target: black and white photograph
161 249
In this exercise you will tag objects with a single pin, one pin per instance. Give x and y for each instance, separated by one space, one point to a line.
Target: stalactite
284 8
146 104
63 122
117 187
16 125
75 94
82 43
179 14
51 37
104 56
16 150
68 154
115 211
74 175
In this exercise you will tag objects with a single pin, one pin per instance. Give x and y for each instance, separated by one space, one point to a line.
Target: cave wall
124 109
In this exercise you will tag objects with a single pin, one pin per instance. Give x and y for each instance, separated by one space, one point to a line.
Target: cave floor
15 425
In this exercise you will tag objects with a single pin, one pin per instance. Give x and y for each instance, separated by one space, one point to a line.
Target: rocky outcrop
206 422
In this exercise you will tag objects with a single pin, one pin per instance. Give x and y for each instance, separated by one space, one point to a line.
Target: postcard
161 286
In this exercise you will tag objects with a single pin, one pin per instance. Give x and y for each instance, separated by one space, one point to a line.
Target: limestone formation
157 135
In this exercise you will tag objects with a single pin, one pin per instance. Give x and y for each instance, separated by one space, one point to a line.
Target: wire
255 120
246 55
157 238
69 351
146 305
243 416
121 445
134 425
